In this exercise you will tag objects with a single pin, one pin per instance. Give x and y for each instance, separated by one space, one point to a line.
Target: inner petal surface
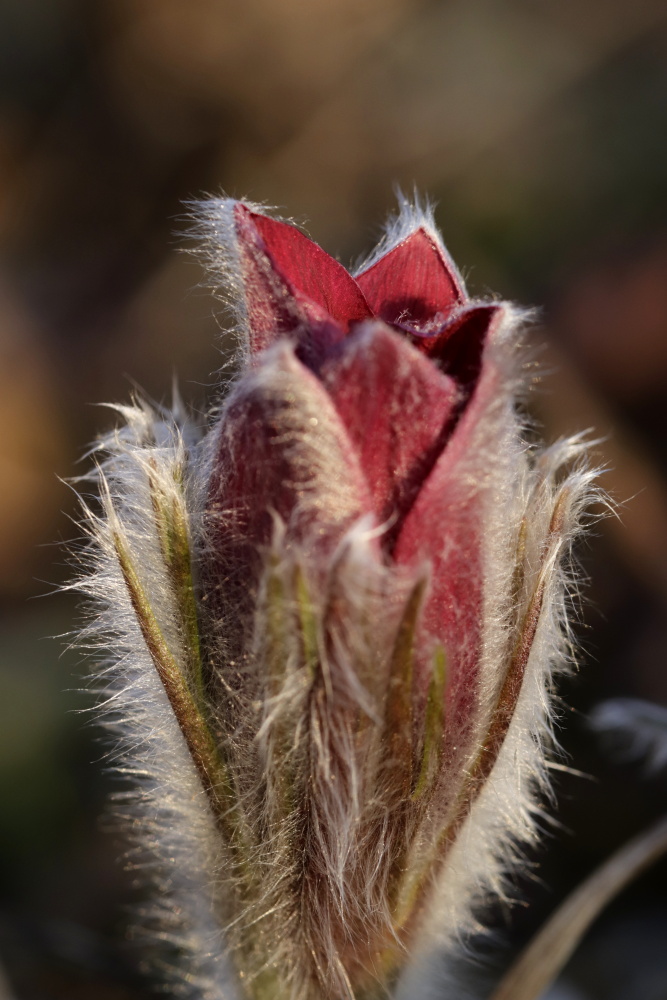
412 285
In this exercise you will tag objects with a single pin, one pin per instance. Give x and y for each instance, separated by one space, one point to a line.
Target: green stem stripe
195 731
434 724
308 624
398 739
398 719
174 536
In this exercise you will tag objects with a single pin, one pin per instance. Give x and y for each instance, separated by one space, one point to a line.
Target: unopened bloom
336 609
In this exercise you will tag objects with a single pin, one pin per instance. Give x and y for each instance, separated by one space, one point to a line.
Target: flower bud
351 591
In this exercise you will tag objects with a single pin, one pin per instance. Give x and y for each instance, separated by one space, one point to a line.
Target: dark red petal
446 528
413 283
458 347
311 272
281 449
272 308
397 408
443 529
290 283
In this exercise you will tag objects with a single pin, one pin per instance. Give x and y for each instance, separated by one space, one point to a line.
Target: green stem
539 964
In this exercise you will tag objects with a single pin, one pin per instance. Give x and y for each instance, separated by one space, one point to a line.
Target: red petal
397 408
445 527
282 449
311 272
272 308
413 284
458 347
289 283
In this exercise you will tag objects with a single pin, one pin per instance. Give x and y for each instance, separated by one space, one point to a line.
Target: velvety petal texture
282 451
342 601
398 409
281 456
411 285
291 286
313 275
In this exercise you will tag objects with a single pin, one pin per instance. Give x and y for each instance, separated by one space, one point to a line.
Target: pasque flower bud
336 611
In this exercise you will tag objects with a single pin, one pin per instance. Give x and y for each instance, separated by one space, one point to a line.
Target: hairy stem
197 735
174 536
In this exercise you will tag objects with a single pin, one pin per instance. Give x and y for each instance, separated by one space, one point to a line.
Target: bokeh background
540 127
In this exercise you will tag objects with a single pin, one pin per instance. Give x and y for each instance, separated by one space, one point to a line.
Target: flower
336 615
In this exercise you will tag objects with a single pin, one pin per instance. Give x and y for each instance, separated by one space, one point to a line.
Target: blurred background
540 127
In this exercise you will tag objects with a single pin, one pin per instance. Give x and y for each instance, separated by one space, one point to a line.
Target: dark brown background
541 129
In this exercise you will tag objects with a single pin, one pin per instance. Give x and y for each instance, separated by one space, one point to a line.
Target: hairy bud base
332 620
